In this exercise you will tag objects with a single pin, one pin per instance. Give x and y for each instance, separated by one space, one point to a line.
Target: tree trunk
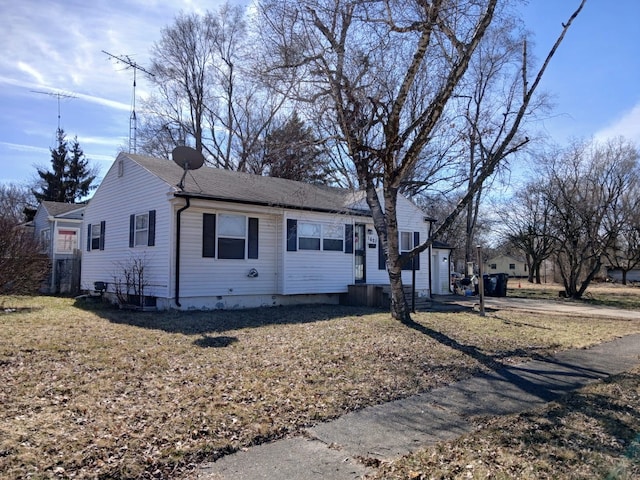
399 306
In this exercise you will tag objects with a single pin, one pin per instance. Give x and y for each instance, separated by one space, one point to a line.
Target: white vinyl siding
114 201
212 276
308 271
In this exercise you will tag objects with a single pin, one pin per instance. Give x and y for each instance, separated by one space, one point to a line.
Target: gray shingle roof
232 186
58 208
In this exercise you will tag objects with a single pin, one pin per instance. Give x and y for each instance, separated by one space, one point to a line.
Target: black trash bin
489 283
501 284
495 285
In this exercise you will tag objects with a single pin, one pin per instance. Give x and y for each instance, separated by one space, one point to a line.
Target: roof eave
202 196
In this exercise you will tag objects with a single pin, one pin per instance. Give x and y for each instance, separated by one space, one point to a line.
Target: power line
133 121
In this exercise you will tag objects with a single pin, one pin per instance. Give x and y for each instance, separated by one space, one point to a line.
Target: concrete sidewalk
341 449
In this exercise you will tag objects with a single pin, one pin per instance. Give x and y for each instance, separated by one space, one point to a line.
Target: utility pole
133 121
480 281
59 95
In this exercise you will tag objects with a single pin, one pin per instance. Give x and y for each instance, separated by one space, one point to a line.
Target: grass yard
96 392
591 433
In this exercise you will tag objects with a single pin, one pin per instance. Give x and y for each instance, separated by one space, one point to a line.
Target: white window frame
139 232
96 232
309 234
67 244
236 229
333 232
410 245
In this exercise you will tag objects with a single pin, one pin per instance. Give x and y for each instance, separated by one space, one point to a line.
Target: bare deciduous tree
526 223
624 219
210 92
16 202
384 72
584 186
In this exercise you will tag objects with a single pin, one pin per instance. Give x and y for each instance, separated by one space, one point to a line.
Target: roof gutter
200 196
177 279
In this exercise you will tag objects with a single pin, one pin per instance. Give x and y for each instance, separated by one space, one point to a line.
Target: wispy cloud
627 126
24 148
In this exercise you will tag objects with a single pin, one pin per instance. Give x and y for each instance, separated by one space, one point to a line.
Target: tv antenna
59 95
188 159
133 121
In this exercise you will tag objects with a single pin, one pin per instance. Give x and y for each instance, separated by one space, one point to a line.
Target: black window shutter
292 235
209 235
132 230
416 242
102 225
89 238
348 238
253 238
382 263
151 240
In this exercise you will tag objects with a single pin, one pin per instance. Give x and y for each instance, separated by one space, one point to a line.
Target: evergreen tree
70 177
293 152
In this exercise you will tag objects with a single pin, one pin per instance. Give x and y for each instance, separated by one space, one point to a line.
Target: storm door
359 252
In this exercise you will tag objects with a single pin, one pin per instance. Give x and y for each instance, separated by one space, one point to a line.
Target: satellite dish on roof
188 159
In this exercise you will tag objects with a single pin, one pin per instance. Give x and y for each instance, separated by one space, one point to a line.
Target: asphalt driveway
564 307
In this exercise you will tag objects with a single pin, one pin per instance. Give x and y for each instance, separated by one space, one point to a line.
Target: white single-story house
58 228
512 266
219 239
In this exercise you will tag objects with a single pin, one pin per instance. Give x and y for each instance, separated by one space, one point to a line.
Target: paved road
536 305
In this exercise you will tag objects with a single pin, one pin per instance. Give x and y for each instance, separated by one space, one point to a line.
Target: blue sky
56 46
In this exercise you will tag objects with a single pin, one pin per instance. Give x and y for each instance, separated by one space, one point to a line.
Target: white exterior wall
135 192
41 222
313 271
440 271
206 277
410 219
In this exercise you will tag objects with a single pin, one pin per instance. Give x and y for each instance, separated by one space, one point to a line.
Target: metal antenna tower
133 121
59 95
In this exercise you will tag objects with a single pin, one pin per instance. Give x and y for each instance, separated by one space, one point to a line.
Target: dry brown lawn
93 392
593 433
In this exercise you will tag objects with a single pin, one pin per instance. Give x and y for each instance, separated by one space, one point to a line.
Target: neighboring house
441 268
58 228
232 240
512 266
